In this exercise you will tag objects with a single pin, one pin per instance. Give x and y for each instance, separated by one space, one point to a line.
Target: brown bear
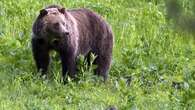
71 33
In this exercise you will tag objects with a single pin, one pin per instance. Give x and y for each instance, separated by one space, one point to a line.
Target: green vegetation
153 63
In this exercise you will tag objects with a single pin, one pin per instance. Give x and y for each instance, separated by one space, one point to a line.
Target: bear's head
55 24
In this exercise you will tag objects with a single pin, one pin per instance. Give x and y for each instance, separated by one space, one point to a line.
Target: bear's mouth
55 42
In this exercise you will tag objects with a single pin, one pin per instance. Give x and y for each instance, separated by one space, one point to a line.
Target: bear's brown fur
71 33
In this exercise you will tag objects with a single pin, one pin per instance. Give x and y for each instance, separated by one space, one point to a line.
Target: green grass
153 65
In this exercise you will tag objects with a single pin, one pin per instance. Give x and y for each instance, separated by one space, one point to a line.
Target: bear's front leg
40 54
68 65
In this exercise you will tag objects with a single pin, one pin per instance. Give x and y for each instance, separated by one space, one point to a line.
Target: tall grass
153 63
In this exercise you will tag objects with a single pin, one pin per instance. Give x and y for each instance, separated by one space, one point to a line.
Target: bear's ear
62 10
43 12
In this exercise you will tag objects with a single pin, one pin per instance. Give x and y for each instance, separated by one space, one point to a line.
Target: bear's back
93 29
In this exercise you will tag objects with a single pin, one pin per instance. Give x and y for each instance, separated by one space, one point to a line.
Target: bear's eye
66 33
56 25
63 23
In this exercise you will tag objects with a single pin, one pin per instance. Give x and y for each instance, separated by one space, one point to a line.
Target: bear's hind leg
103 65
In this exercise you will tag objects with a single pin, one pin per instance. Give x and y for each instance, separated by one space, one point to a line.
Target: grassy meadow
153 65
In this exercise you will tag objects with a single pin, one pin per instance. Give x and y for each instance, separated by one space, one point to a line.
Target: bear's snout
53 29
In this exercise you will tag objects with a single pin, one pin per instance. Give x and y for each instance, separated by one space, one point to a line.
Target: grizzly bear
71 33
